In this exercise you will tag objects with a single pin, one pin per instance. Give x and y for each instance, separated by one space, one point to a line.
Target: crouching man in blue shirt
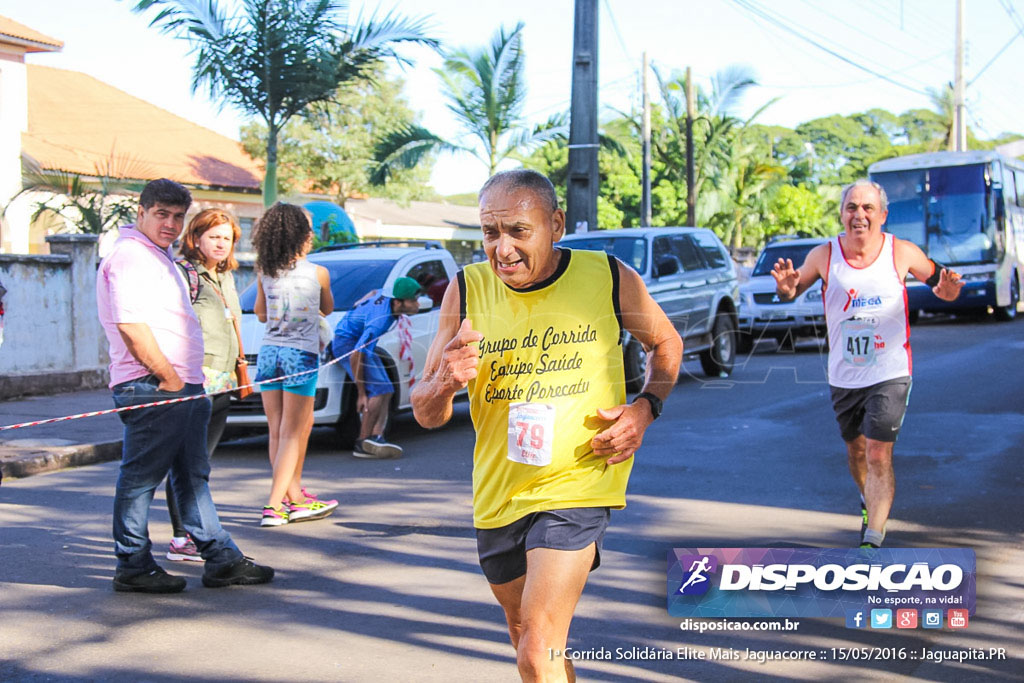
361 329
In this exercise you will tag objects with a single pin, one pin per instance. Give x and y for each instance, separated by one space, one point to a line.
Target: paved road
388 588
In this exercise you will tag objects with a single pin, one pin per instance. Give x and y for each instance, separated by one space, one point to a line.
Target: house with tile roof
16 40
106 132
110 132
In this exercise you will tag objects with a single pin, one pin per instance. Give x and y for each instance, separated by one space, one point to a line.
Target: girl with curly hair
291 295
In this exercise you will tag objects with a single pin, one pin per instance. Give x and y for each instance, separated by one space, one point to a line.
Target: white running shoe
376 448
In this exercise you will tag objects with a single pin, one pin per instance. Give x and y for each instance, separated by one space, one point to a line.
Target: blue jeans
157 440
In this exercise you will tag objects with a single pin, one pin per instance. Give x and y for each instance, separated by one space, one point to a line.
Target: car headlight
812 295
978 277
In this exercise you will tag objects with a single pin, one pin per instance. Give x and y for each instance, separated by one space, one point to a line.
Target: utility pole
959 108
581 192
645 197
691 114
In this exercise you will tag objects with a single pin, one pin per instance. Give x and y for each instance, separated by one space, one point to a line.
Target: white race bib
859 341
531 430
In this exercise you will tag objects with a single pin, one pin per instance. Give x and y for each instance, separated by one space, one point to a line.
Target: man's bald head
522 178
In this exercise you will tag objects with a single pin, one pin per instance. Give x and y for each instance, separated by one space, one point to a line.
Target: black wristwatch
653 400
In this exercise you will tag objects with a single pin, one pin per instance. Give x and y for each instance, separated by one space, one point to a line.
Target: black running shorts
876 411
503 550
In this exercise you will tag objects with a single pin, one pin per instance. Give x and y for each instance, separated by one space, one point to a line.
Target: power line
818 7
749 6
618 34
995 57
858 82
775 43
808 32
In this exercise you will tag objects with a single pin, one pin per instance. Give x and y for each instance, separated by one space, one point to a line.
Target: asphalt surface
388 588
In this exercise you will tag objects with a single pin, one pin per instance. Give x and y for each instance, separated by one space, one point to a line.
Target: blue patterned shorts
278 361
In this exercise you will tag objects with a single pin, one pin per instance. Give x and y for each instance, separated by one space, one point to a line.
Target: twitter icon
881 618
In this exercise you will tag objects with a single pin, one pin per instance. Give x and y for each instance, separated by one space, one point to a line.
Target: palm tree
713 126
944 103
274 58
485 91
90 204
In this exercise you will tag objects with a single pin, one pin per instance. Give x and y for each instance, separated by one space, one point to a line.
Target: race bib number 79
531 428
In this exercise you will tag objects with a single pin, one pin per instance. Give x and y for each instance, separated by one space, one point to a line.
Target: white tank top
293 308
866 314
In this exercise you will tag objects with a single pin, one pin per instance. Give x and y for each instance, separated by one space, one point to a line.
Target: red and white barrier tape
170 401
405 346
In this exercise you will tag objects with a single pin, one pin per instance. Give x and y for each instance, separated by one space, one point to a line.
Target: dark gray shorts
876 411
503 550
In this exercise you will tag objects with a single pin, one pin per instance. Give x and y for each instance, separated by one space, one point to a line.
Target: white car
355 270
763 315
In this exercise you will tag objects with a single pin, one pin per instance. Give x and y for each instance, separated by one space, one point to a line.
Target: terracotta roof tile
12 29
77 123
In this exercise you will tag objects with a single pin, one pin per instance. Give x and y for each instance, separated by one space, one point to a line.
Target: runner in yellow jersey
535 334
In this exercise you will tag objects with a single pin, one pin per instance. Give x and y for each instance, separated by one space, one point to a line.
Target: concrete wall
52 337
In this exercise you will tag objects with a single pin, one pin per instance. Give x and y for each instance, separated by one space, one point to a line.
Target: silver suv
764 315
690 274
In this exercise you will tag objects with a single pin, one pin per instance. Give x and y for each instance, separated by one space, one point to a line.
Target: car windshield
943 210
630 250
795 252
350 280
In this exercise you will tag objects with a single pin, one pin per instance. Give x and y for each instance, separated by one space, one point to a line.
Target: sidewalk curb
18 463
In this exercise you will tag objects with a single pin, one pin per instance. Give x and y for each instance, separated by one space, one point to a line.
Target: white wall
13 122
51 327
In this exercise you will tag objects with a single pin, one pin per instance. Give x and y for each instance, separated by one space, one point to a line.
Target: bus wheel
1009 312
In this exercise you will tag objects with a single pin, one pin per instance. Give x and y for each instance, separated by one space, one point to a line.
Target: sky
817 57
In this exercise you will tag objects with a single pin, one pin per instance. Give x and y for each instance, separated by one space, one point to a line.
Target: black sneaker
154 581
869 545
863 519
376 448
245 572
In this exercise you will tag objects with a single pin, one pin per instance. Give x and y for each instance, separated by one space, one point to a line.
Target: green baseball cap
405 288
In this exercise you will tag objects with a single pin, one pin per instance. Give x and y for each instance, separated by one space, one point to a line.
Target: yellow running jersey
550 357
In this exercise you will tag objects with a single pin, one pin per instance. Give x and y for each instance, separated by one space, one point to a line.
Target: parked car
763 315
692 277
355 270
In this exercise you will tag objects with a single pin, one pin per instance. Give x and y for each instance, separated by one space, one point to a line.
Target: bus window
1019 176
905 190
959 227
1009 193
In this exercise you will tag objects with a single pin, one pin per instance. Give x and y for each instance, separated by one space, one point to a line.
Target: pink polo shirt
138 282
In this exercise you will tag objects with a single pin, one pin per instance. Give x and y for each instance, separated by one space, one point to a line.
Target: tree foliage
274 58
329 148
753 180
90 204
485 91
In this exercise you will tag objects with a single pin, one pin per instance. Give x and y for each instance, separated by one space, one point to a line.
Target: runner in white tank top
866 314
869 363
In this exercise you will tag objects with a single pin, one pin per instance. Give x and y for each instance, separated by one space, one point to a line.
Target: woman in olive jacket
208 251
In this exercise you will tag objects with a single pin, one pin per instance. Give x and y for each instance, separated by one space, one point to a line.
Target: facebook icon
855 618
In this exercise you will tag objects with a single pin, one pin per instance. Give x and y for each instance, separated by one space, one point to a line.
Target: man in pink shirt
156 353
